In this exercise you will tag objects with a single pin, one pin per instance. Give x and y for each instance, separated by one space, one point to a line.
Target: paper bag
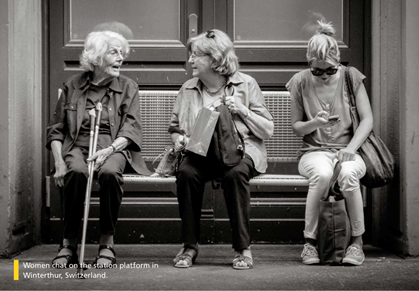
200 139
334 227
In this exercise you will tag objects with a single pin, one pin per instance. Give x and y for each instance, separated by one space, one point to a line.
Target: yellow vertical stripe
16 268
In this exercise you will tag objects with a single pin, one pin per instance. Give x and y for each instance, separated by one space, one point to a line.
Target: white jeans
318 168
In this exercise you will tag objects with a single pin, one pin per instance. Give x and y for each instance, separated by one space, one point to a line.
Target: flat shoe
184 259
240 258
112 260
72 259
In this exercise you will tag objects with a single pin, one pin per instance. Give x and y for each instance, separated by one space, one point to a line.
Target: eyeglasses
208 34
318 72
195 56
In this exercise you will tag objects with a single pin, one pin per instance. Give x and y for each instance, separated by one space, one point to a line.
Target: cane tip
80 273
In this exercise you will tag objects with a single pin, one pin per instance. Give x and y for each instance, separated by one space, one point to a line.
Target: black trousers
75 182
193 173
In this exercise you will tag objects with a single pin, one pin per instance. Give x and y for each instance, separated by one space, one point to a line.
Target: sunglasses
210 34
318 72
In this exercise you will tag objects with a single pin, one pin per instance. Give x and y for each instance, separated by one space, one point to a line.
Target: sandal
240 258
185 258
112 260
72 259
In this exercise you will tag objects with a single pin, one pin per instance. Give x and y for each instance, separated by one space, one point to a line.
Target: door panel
284 23
158 54
142 27
270 36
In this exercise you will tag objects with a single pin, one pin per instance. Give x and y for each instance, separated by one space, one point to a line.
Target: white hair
97 44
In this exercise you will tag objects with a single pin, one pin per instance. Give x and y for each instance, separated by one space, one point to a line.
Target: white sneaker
310 256
354 256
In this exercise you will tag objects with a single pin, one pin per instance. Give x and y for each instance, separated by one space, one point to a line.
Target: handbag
170 162
228 143
202 133
377 157
334 228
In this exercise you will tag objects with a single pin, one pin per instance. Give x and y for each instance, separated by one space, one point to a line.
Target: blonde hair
219 47
97 44
323 46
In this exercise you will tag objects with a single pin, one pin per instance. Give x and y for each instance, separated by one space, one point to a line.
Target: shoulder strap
232 116
334 189
352 100
349 86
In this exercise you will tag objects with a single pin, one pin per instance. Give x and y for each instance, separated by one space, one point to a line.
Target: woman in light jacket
215 72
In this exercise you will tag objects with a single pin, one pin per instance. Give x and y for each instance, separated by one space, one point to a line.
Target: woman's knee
320 176
348 178
235 175
77 169
186 172
108 173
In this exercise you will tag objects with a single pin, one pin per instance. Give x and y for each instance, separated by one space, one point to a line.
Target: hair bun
325 28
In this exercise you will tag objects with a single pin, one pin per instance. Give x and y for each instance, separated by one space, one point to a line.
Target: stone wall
21 125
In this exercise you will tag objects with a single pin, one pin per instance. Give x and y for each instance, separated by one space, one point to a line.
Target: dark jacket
123 110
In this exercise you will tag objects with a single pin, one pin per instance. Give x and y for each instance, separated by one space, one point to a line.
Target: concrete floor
277 267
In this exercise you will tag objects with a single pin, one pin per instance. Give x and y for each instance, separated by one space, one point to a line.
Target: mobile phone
333 117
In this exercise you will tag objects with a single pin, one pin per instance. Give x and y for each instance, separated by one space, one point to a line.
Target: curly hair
322 45
219 47
97 44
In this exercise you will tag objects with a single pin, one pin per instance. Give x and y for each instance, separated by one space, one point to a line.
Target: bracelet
113 148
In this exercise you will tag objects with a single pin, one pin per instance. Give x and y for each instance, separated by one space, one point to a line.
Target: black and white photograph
209 145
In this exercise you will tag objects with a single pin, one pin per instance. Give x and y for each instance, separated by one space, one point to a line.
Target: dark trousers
110 181
193 173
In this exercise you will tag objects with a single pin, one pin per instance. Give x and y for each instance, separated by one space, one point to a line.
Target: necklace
213 92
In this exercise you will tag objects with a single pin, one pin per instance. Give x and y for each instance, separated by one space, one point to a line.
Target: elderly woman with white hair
119 141
320 112
215 71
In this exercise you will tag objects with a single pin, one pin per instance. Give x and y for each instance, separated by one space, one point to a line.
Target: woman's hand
346 155
60 166
260 126
60 171
235 107
100 157
181 142
322 118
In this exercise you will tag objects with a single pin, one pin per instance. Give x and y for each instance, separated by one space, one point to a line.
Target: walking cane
94 132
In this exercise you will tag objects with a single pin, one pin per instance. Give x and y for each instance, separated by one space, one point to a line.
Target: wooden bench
278 197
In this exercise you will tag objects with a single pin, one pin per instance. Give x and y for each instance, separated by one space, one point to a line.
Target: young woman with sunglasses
320 113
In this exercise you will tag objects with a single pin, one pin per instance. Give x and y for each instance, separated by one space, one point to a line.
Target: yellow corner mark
16 270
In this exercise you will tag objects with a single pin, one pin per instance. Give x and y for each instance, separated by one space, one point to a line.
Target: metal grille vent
283 145
156 109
